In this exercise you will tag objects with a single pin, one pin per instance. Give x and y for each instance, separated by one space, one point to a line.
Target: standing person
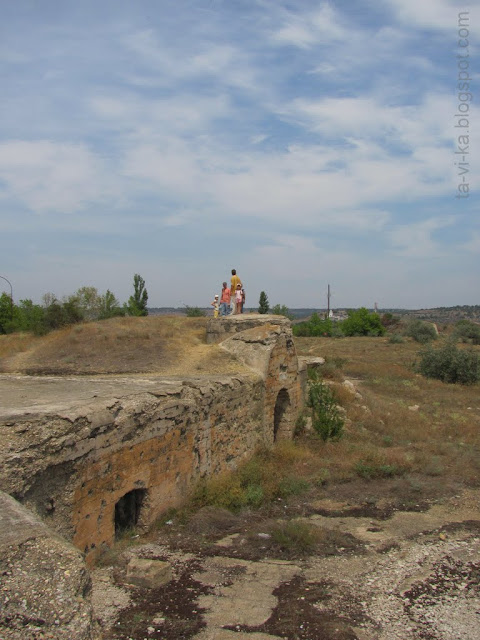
243 299
238 299
235 280
225 299
215 305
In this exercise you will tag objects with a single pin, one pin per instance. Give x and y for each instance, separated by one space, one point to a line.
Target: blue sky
303 143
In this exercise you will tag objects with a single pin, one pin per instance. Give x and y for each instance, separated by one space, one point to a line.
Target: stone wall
74 467
91 468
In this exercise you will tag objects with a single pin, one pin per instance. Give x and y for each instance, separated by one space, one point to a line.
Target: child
238 298
215 304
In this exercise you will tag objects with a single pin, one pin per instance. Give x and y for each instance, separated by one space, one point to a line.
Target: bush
313 327
421 331
281 310
396 338
195 312
295 535
466 331
450 364
389 321
362 323
326 418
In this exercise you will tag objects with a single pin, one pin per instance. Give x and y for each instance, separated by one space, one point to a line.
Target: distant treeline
85 304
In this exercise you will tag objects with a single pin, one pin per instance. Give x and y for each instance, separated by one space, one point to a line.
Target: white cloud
416 239
50 176
434 14
321 26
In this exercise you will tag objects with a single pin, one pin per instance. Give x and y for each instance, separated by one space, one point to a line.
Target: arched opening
279 413
127 510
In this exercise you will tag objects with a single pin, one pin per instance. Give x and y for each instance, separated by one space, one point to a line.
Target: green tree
315 326
109 307
137 304
89 302
32 318
361 322
8 314
60 314
263 306
281 310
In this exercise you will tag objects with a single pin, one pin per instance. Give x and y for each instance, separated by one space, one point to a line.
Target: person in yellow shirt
235 280
215 304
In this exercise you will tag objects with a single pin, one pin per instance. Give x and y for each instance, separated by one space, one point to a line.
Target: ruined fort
91 456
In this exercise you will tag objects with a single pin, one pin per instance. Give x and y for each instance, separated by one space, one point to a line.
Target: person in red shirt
225 300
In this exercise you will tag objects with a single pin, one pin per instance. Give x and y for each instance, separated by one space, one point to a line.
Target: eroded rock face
45 583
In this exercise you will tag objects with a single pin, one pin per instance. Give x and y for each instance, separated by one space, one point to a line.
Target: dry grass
167 345
404 423
405 437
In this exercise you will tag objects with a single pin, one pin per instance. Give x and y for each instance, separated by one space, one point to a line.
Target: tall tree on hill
137 304
263 306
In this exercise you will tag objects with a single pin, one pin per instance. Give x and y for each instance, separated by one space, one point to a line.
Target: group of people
232 298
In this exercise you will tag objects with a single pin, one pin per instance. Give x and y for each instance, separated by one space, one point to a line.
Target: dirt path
411 576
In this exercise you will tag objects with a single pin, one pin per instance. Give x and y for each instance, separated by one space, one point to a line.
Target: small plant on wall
327 421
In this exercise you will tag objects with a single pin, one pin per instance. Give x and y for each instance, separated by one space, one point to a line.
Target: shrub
281 310
368 469
32 318
421 331
396 338
361 322
313 327
195 312
450 364
326 418
291 486
295 535
467 331
389 321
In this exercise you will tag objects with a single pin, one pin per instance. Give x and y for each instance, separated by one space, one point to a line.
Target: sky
303 143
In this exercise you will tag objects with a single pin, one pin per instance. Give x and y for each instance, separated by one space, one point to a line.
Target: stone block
149 574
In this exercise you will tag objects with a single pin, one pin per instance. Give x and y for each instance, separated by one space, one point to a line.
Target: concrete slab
20 395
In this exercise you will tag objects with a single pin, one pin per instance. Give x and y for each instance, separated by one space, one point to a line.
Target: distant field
445 315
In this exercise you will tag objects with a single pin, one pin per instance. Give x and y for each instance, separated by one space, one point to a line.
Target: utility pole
328 302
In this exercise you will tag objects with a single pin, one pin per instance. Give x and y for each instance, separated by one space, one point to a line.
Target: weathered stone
78 452
44 580
218 329
150 574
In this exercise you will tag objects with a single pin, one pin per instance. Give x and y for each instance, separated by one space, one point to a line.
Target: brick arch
283 396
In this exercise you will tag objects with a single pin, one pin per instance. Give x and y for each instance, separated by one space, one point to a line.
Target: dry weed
403 422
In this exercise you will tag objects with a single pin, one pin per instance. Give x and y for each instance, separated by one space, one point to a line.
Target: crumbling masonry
129 449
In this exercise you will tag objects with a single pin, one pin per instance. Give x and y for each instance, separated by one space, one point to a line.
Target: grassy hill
166 345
